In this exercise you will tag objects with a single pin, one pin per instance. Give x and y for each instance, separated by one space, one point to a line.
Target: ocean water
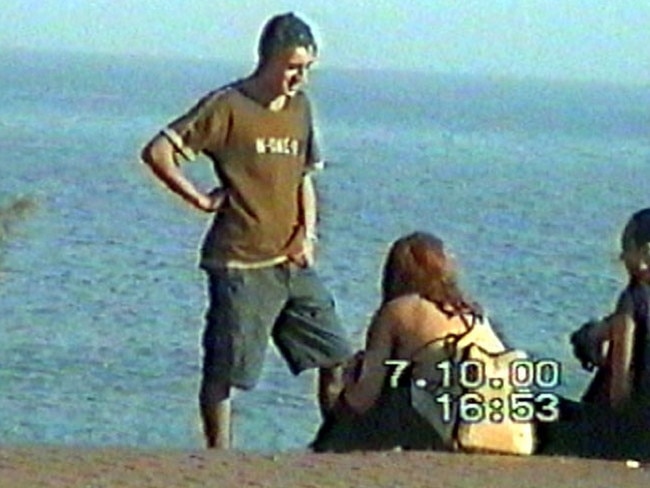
101 302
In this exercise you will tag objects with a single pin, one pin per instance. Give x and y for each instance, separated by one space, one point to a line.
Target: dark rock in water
10 214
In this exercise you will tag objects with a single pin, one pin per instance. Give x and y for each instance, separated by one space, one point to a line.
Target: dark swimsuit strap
450 341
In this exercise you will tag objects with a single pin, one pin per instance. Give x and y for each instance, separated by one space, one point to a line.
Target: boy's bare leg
215 405
330 386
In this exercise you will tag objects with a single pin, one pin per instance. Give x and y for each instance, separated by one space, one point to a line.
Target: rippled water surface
100 299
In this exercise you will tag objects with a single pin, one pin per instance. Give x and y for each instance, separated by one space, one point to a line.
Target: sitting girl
422 304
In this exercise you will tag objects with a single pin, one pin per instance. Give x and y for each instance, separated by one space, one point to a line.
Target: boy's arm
309 207
308 219
160 155
621 344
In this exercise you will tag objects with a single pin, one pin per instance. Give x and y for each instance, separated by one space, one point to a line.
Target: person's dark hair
283 32
637 231
635 240
417 263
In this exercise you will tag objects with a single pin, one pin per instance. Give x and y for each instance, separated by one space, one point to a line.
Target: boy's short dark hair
283 32
637 231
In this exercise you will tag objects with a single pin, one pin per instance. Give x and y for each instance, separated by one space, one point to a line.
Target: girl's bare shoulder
409 310
411 303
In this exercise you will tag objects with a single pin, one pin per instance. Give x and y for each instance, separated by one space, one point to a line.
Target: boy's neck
264 93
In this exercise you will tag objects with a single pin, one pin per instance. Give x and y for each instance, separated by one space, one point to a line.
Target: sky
592 40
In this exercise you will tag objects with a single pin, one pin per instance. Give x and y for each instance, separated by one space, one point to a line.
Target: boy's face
288 70
637 262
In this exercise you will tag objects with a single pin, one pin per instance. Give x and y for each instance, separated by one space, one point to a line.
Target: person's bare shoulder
415 320
400 307
409 310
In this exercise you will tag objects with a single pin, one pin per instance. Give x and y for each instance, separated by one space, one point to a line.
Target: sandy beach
60 467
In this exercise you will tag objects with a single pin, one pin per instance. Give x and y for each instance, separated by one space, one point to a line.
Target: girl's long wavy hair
417 263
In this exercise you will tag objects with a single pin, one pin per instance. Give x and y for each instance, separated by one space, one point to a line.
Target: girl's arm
362 395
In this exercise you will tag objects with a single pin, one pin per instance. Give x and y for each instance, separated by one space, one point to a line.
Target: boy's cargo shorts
285 302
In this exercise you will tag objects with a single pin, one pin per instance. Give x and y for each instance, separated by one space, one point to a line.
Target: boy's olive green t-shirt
260 156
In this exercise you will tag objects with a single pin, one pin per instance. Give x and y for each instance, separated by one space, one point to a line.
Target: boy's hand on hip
212 201
306 257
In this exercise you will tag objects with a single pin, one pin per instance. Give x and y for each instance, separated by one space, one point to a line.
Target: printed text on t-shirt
277 145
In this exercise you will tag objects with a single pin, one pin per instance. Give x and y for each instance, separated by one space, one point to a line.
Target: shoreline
58 467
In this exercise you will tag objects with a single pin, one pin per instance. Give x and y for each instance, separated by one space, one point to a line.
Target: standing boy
259 251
